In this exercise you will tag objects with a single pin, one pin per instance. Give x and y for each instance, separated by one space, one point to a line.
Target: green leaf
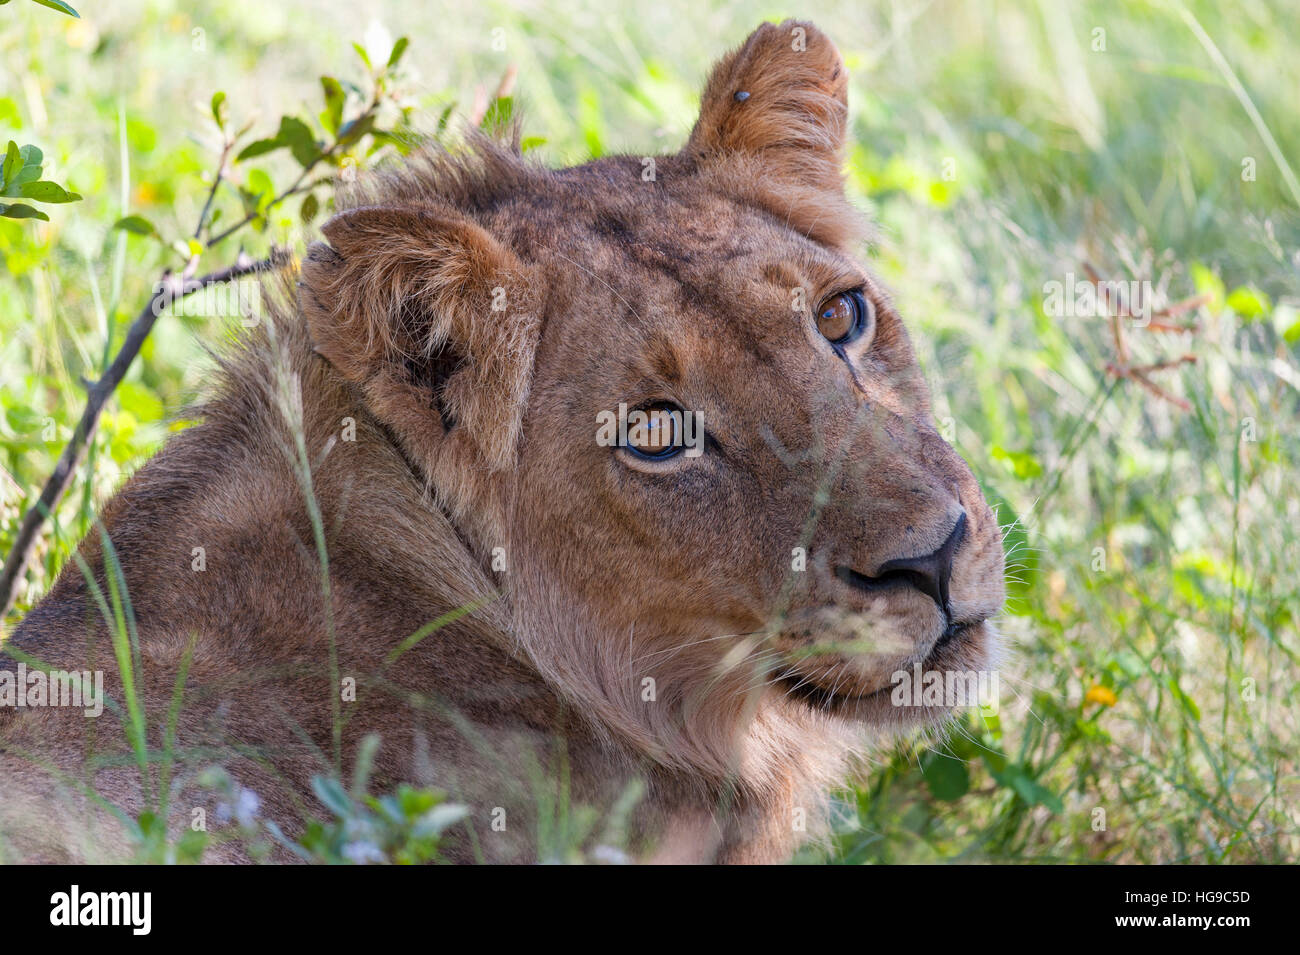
1288 323
32 156
20 211
498 113
190 846
261 186
365 57
415 802
140 401
310 206
355 129
136 225
219 109
257 194
332 118
60 6
1030 790
1248 302
48 192
258 148
1208 283
398 49
1036 794
14 186
13 162
1023 464
296 134
445 117
531 142
946 777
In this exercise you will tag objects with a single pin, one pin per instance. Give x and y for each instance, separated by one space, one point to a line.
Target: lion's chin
919 692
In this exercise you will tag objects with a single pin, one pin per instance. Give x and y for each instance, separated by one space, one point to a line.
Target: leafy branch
342 143
20 178
337 150
171 288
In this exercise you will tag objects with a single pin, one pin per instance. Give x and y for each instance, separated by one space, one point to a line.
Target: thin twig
1117 311
172 287
226 146
291 191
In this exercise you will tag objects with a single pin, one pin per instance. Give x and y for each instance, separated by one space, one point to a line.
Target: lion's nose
929 574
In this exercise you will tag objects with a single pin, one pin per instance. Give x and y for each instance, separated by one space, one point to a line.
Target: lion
416 528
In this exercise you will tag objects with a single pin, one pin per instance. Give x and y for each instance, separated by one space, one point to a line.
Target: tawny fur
470 314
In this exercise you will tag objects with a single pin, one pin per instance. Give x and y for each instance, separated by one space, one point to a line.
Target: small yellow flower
1100 694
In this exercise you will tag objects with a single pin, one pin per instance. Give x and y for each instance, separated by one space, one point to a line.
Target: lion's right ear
428 315
782 97
772 126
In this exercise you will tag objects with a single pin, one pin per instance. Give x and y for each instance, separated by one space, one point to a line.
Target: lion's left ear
781 98
429 315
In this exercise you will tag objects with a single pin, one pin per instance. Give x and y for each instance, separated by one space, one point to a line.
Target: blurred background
1007 149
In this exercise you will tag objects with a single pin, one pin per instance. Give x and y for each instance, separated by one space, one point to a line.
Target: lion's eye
843 318
655 432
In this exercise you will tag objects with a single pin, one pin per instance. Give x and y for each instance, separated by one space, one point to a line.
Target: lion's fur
469 311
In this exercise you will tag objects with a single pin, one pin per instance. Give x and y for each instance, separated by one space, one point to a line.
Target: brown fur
475 430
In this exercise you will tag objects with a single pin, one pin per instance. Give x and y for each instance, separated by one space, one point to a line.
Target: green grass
1155 552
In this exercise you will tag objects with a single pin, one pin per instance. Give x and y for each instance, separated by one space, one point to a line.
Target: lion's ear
426 313
782 97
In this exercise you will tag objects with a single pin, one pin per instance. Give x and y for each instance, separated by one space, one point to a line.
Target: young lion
529 609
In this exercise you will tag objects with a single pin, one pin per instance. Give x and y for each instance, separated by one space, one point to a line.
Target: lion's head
783 528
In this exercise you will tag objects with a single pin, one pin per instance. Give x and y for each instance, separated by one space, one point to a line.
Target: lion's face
816 521
814 537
